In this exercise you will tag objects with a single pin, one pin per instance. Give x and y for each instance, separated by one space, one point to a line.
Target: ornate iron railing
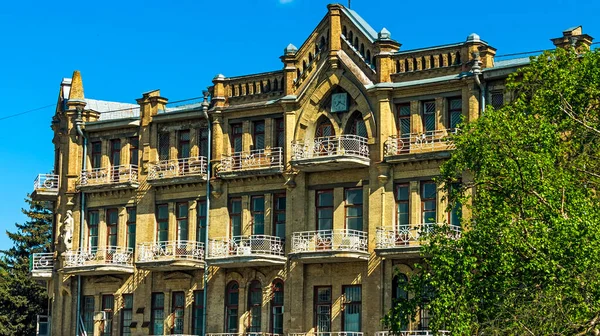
180 167
412 333
403 235
418 143
46 182
170 250
110 255
330 240
254 159
351 145
42 262
112 174
244 334
333 333
245 245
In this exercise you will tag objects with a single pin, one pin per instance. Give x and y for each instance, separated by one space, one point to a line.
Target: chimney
573 37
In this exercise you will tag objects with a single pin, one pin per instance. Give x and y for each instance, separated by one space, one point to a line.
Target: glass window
429 117
236 137
257 211
231 307
93 219
112 220
322 304
182 220
131 217
497 99
324 209
108 306
96 154
279 133
454 216
398 292
403 119
203 141
162 223
454 112
157 317
352 308
201 222
279 216
134 149
235 217
258 135
358 127
324 128
126 314
198 312
177 311
88 314
428 202
354 209
402 207
183 144
254 305
277 307
164 147
115 152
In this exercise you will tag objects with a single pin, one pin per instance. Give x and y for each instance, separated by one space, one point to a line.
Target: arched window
450 59
324 128
247 86
369 56
231 306
297 74
423 67
441 58
268 86
310 57
356 125
350 37
356 42
362 50
303 66
277 307
275 85
431 62
398 292
317 49
344 31
323 43
254 305
406 64
457 57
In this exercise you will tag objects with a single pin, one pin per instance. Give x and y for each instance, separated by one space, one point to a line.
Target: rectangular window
115 158
178 312
131 217
201 221
403 119
279 216
162 223
277 308
322 309
183 144
354 209
428 117
324 209
454 112
235 217
157 315
279 133
257 211
182 209
96 154
236 137
126 314
108 306
203 141
454 215
134 150
198 312
88 314
112 220
164 147
428 202
258 135
352 308
93 220
402 206
497 99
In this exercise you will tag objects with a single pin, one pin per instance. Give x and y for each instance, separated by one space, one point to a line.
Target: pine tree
21 297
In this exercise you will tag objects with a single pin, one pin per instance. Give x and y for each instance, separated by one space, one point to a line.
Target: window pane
325 198
402 193
404 110
354 196
429 190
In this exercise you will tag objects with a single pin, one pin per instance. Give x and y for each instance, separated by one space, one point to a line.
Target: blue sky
124 48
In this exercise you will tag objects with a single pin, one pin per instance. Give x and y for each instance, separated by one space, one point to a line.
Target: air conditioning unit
99 316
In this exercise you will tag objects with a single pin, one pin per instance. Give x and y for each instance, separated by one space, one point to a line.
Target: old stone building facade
319 182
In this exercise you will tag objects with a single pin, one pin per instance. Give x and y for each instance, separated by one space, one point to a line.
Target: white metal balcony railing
254 159
244 334
347 144
110 255
170 250
330 240
108 175
333 333
245 245
180 167
430 141
46 182
403 235
412 333
42 261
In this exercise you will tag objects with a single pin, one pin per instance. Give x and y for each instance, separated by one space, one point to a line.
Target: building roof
510 63
103 106
360 23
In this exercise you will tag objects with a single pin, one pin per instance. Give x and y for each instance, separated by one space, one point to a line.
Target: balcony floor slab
327 163
44 195
97 269
242 173
171 265
41 274
247 261
108 187
165 181
399 252
418 156
319 257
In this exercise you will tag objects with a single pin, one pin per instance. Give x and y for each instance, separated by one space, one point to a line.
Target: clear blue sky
124 48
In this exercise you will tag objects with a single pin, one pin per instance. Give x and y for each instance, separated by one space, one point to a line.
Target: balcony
259 162
331 153
333 333
244 334
45 187
246 251
329 246
423 146
98 261
180 171
412 333
41 265
405 241
110 178
171 255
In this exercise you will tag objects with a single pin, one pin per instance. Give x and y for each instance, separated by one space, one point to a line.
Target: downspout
208 174
476 71
78 123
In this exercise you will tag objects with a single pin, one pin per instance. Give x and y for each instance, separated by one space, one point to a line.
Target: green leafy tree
528 261
21 297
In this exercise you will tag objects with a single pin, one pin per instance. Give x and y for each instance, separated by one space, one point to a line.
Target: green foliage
21 297
529 259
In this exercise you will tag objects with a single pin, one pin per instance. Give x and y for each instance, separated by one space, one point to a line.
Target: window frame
174 309
90 225
400 117
96 154
274 305
324 207
257 133
162 220
451 111
201 221
348 206
233 215
106 301
229 306
181 142
134 151
425 115
317 303
425 200
254 307
112 226
130 223
237 135
87 312
254 213
277 212
164 146
155 309
198 306
398 202
346 304
279 133
125 328
179 219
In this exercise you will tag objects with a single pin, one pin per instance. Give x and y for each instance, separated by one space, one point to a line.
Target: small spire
76 93
384 34
290 49
473 38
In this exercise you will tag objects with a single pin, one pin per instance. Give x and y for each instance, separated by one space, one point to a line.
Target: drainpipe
78 124
476 71
208 173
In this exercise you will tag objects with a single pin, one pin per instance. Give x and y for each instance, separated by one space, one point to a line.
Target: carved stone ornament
67 231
